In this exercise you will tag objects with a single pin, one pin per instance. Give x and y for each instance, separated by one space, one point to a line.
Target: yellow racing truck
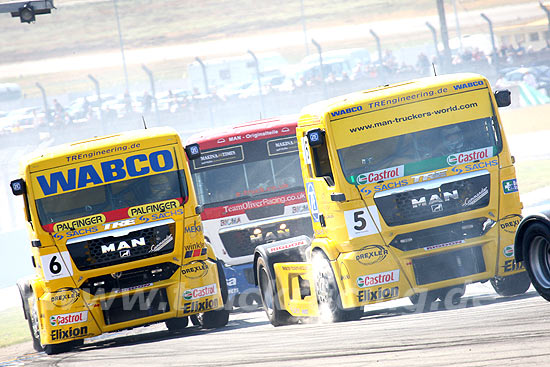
116 240
412 193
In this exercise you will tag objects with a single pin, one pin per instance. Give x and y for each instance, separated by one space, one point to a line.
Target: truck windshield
106 198
420 151
247 171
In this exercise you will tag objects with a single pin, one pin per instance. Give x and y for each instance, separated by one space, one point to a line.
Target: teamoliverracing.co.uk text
413 116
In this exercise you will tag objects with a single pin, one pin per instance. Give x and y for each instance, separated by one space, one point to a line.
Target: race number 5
359 222
53 265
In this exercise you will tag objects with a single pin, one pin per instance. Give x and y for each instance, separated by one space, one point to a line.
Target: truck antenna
433 66
144 124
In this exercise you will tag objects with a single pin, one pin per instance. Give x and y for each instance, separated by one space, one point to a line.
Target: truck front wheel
217 318
328 295
268 294
536 257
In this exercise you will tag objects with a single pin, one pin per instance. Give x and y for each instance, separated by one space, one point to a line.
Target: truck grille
135 306
433 200
448 265
243 241
441 236
106 251
129 279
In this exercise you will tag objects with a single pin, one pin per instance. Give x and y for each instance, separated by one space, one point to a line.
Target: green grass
532 175
14 327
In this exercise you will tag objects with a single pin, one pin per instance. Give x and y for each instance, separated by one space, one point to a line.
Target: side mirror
18 187
198 209
315 137
503 98
338 197
193 151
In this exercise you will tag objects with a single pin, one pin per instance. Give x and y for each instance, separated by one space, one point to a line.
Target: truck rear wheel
511 285
328 294
268 294
177 323
536 257
423 301
451 295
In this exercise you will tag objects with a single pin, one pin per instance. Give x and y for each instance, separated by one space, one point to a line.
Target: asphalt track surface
484 330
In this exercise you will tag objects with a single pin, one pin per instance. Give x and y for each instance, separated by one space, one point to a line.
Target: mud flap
296 288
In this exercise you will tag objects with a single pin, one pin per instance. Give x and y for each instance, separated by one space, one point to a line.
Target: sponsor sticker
60 334
195 270
366 281
229 221
121 290
73 224
512 265
510 186
510 226
381 175
313 207
286 246
64 297
161 206
196 306
469 156
508 251
379 294
195 253
204 291
371 254
441 245
69 318
477 197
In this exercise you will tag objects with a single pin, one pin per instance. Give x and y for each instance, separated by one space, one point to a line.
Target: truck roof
386 91
248 131
99 147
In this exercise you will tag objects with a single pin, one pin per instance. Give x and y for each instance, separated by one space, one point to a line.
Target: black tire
536 257
423 301
32 321
328 294
65 347
268 294
511 285
217 318
177 323
450 296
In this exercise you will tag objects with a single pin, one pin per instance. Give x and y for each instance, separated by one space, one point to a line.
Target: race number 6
57 265
359 222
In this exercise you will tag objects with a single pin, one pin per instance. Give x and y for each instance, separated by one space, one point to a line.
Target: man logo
124 253
437 208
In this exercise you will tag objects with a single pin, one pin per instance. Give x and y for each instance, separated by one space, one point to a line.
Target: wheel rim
539 259
267 293
322 286
34 322
322 280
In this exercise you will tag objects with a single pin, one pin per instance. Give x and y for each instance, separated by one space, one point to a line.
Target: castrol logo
381 175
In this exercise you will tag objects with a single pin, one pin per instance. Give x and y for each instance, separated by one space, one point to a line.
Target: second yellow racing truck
116 240
412 193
